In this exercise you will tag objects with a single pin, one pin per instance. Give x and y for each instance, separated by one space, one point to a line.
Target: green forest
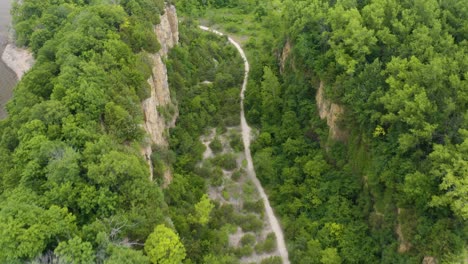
73 182
386 181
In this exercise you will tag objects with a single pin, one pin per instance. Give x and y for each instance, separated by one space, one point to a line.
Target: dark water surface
7 76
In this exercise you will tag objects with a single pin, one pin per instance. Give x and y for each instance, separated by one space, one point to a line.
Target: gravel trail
250 168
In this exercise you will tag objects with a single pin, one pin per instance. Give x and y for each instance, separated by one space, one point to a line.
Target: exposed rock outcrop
404 245
327 110
168 30
285 55
430 260
156 123
331 112
17 59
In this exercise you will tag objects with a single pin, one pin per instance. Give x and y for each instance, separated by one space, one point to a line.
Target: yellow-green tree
203 210
163 246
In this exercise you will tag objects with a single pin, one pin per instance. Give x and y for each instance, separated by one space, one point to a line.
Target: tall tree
163 246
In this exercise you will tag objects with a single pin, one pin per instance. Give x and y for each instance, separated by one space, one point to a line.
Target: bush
249 191
243 251
221 129
217 177
216 145
235 140
225 195
158 167
248 240
272 260
226 161
167 112
232 28
205 170
254 206
249 223
230 120
244 163
236 175
162 153
222 215
269 245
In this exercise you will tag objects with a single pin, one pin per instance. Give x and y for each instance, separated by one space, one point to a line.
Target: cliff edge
160 113
17 59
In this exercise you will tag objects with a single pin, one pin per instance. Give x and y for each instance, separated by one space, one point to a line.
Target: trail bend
274 223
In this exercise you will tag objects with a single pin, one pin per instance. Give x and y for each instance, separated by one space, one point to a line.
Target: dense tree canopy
398 69
72 180
74 185
163 246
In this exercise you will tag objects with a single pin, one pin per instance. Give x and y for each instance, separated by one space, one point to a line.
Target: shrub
225 195
217 177
243 251
249 223
244 163
222 215
272 260
231 120
232 28
226 161
254 206
236 175
269 245
205 170
162 153
248 240
216 145
235 140
249 191
221 129
158 168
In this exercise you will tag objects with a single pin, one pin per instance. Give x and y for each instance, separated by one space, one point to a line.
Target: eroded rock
18 59
331 112
157 123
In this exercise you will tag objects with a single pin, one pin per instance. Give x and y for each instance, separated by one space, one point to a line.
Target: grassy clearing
232 21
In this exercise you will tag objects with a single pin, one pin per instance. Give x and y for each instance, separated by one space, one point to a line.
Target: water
7 76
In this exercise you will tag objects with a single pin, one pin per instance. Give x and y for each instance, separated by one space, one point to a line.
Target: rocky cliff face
157 123
285 55
168 30
17 59
331 112
327 110
15 62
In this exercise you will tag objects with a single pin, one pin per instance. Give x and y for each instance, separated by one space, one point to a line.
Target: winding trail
250 168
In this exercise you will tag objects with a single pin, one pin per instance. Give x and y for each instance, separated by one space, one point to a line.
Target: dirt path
250 168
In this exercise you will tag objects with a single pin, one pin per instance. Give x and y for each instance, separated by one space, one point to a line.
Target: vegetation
235 141
205 76
274 260
269 245
216 145
163 246
226 161
74 186
248 240
398 69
